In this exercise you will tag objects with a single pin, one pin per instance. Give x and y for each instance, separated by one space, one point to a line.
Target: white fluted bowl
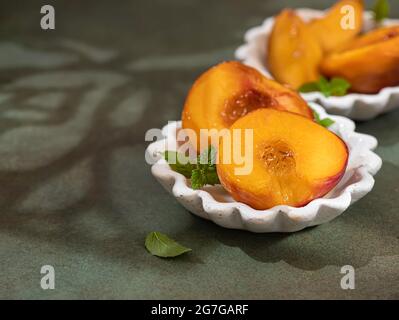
353 105
214 203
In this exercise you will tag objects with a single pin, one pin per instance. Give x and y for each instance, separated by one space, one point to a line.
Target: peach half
294 160
229 91
370 63
339 26
293 54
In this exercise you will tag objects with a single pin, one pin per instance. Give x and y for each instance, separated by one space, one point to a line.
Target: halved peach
340 25
295 160
370 63
229 91
294 54
373 37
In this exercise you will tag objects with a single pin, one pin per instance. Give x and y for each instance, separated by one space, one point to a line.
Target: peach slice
370 63
295 160
373 37
229 91
293 52
335 29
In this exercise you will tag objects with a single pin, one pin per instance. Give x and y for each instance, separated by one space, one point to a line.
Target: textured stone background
76 193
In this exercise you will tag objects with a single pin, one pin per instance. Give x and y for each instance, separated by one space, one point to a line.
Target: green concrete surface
76 192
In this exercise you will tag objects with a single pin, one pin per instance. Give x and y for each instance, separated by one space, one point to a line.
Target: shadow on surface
366 230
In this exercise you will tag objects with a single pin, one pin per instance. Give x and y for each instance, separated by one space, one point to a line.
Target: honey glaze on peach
243 103
277 156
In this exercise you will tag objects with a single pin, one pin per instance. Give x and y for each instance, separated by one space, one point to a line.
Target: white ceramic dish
354 106
214 203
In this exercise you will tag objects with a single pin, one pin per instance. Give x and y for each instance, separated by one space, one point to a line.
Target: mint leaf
201 173
206 169
324 86
315 116
339 86
160 245
309 87
212 177
335 87
326 122
198 179
208 156
381 10
179 163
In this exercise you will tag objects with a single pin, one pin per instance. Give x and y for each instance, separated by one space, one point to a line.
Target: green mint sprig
334 87
326 122
381 10
201 173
